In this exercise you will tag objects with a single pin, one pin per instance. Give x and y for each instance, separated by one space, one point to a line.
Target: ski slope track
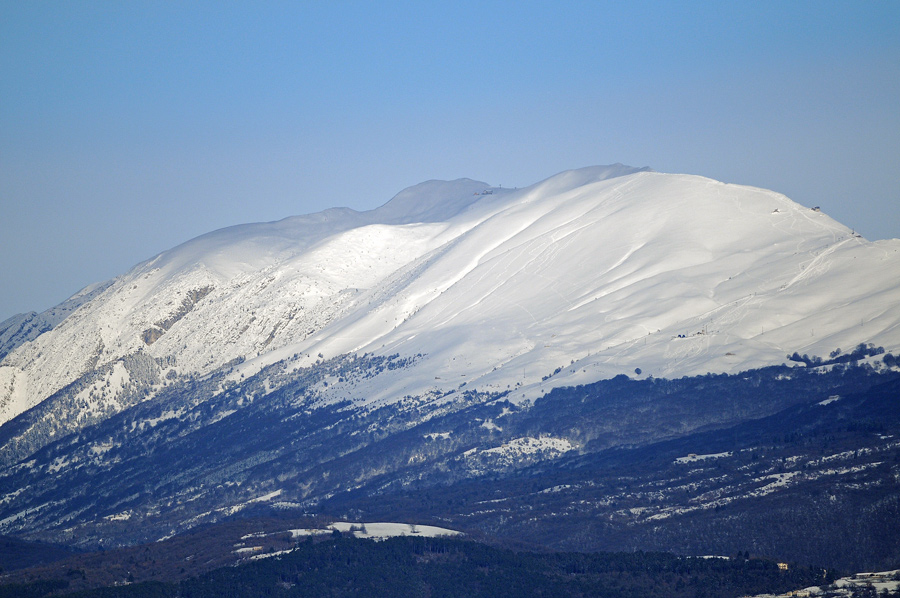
589 274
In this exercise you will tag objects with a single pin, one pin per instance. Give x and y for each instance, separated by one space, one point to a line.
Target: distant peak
431 201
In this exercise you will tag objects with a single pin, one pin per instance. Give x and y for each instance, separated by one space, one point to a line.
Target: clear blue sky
129 127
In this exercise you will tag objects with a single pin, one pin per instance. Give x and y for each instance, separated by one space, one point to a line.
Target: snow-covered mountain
586 275
456 356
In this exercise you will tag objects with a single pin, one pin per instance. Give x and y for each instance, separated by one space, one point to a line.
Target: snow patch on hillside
380 531
692 458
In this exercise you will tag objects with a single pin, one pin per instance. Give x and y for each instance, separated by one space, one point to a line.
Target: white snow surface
594 272
695 458
390 530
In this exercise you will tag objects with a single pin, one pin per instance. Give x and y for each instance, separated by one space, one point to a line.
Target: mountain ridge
466 361
588 274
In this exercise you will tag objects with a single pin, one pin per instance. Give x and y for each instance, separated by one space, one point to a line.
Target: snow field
587 275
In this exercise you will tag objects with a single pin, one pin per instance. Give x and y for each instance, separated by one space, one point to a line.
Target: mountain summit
464 346
589 274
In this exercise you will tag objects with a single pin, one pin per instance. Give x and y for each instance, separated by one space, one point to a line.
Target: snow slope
586 275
